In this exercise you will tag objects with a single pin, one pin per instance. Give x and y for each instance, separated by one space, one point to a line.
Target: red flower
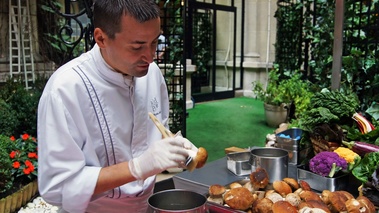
12 138
26 171
28 163
16 164
32 155
25 137
12 154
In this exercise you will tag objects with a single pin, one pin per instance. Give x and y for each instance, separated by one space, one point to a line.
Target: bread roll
239 198
283 207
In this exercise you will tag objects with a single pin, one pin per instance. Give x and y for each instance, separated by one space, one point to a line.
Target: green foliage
331 107
306 30
18 107
287 88
6 177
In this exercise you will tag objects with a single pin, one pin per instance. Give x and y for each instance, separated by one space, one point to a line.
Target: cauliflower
327 163
350 156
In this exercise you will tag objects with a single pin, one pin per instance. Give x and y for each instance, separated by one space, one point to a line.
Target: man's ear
99 37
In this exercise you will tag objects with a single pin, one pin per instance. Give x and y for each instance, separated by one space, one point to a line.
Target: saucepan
177 200
273 160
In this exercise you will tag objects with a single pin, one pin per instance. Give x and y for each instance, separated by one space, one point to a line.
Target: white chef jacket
89 117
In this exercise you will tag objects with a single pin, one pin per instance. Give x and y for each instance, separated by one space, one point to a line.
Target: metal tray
320 183
238 163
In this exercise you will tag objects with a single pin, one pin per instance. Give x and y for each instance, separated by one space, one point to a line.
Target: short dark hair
107 14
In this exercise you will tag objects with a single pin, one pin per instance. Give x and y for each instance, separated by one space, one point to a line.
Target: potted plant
281 94
18 173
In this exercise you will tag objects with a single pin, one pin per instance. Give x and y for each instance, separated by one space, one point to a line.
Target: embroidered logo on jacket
154 105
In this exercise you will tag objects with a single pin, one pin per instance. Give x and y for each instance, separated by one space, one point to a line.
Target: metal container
177 200
273 160
238 163
320 183
289 137
290 140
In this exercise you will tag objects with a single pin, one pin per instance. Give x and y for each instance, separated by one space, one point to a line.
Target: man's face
132 49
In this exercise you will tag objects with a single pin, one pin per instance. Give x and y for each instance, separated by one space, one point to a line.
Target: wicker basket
320 144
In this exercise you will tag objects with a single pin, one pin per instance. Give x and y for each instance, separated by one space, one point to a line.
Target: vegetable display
361 148
366 168
327 163
367 171
351 157
364 125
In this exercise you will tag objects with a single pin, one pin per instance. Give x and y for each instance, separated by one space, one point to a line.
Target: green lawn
217 125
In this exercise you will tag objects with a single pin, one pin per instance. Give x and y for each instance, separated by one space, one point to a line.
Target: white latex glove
191 149
160 156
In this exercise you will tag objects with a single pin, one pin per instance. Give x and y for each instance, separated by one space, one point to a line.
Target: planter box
320 183
14 202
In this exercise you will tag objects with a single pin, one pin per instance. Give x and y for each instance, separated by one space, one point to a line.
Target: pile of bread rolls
287 195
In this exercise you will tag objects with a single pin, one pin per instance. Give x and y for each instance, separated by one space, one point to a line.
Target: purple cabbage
327 164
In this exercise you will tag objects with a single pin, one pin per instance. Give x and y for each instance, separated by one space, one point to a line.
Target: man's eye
136 47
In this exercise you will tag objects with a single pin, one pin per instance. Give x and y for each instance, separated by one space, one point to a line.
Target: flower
24 156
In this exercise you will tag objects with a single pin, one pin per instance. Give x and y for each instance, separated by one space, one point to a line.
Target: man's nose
149 54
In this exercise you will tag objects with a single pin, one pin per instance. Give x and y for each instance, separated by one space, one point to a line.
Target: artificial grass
217 125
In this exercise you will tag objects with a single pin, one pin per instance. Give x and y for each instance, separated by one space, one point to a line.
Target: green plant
19 164
24 157
284 89
6 177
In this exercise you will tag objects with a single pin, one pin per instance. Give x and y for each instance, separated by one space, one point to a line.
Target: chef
98 149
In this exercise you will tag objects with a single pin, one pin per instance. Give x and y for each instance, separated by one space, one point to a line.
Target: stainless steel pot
177 200
273 160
